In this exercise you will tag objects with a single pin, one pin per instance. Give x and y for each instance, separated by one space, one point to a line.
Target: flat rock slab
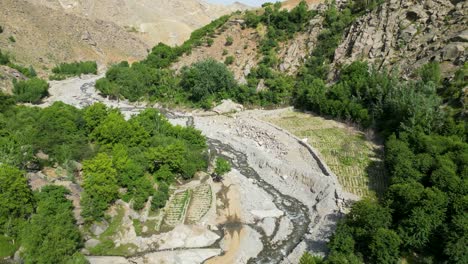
192 256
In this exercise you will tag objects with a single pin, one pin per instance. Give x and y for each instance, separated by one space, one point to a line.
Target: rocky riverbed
279 200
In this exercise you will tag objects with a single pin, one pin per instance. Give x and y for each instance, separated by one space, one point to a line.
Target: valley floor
279 200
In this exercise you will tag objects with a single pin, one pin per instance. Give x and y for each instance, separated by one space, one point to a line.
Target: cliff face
408 34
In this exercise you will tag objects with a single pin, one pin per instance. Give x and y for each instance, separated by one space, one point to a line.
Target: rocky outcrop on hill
7 75
408 34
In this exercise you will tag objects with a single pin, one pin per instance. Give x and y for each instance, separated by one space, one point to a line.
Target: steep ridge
45 36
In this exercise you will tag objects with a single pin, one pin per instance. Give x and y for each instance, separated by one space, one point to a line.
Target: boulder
98 228
92 243
453 51
228 106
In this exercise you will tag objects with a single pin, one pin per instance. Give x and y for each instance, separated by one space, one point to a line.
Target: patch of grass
138 227
114 225
357 162
7 248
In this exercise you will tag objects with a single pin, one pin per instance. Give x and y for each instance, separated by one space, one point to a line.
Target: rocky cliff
408 34
396 34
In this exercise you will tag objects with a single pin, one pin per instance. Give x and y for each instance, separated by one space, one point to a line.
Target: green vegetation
65 70
16 206
162 55
140 81
51 235
310 259
206 79
425 156
30 91
356 160
116 154
229 60
222 166
1 29
12 39
229 41
206 82
4 58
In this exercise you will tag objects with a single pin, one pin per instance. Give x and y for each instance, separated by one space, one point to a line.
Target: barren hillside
165 21
44 36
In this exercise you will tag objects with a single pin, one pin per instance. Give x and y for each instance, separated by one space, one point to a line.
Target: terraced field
199 204
177 208
356 161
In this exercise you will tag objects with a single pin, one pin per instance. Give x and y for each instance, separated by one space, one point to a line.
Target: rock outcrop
408 34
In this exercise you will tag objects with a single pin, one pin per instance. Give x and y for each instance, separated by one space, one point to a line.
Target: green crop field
356 161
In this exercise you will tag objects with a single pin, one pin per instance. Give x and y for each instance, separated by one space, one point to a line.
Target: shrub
30 91
4 58
1 29
225 52
76 68
12 39
222 166
229 60
209 42
229 41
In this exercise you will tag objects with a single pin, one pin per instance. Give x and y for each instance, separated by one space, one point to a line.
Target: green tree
385 247
207 78
95 115
16 199
51 235
100 186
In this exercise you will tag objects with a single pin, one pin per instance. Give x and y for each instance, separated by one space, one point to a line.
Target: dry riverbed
278 201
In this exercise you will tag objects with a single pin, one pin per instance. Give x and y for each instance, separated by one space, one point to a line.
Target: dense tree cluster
426 156
51 236
122 159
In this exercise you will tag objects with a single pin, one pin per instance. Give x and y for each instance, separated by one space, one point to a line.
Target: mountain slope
397 34
165 21
46 36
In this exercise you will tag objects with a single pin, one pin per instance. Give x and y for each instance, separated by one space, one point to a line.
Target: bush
222 166
75 68
1 29
229 60
229 41
209 42
4 58
30 91
12 39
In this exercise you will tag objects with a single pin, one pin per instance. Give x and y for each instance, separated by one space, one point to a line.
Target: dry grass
355 160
